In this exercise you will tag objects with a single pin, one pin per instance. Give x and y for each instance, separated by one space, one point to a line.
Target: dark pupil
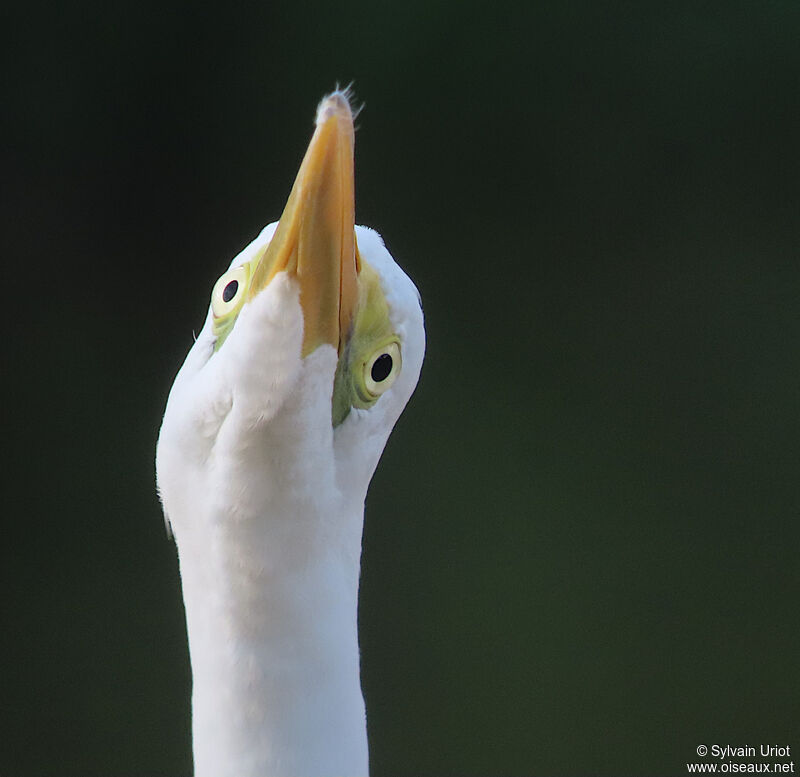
229 292
381 367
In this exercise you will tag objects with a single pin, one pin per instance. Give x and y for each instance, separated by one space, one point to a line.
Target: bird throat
274 651
270 566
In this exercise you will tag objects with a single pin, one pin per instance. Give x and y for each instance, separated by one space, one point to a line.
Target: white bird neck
266 503
274 649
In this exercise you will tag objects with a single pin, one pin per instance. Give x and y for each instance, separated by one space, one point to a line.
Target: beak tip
336 104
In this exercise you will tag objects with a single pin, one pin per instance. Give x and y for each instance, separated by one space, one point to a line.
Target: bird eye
382 368
229 292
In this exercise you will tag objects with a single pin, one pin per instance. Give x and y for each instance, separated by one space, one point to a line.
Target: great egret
312 346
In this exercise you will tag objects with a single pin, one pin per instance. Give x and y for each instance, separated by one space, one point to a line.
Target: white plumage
265 498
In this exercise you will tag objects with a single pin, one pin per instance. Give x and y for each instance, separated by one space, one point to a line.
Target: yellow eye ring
382 368
229 291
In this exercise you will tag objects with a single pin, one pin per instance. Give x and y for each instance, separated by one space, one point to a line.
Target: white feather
266 502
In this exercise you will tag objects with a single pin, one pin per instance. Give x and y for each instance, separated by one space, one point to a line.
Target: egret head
314 338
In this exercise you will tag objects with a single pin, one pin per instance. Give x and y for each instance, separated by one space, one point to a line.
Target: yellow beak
315 239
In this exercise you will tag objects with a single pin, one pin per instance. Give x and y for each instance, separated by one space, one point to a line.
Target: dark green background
581 547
